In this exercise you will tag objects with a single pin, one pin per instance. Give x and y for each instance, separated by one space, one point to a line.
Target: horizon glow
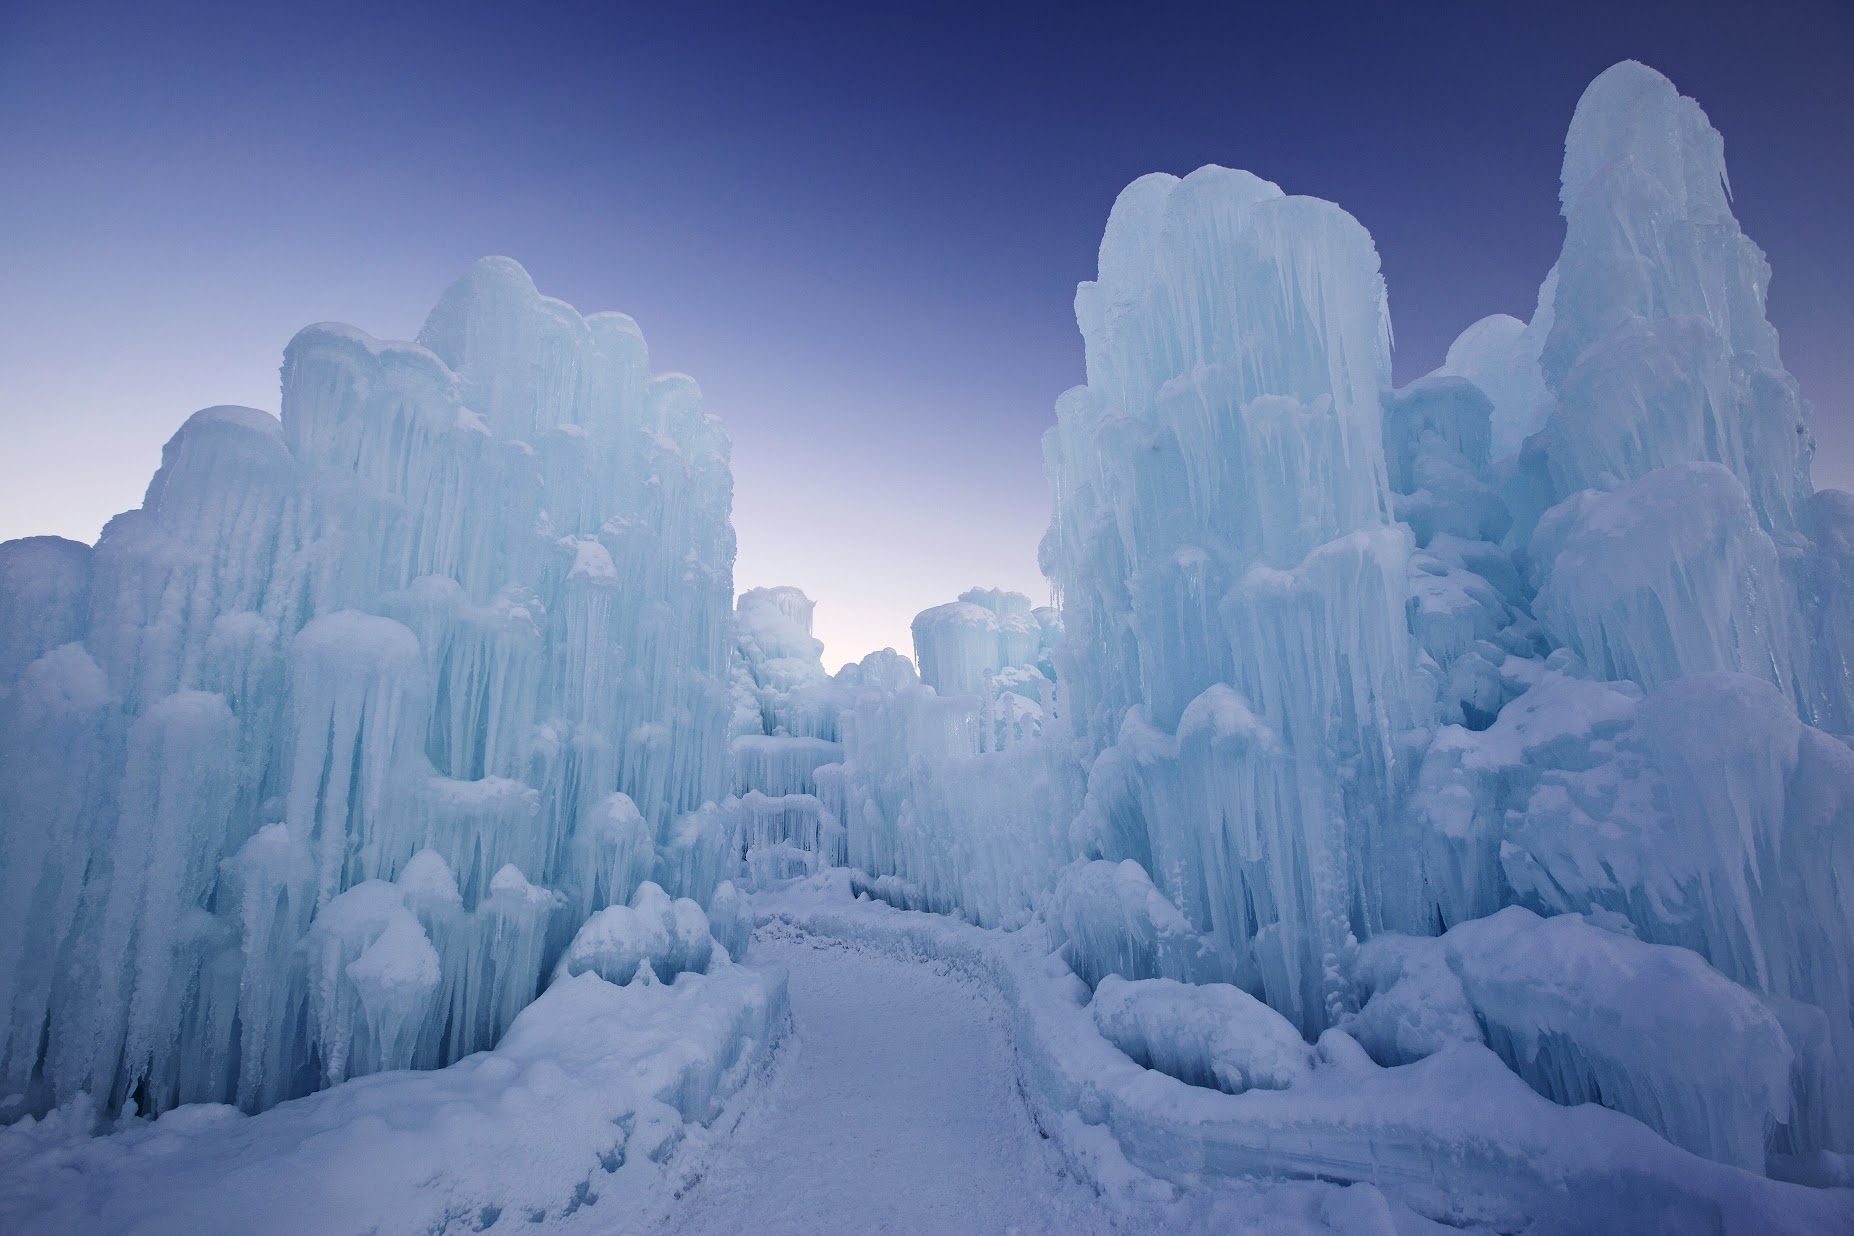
875 302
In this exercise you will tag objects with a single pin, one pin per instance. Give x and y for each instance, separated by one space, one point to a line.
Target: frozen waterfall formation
313 763
1395 743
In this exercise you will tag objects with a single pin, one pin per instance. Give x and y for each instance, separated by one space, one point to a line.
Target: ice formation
314 762
653 935
1404 777
785 736
1233 583
1354 683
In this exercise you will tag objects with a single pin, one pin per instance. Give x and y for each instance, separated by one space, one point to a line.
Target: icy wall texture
303 764
785 737
946 795
1656 528
1233 586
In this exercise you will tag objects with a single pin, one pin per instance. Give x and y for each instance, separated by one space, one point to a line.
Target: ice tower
1233 587
1666 527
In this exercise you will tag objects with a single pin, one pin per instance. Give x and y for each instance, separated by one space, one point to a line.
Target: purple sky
859 229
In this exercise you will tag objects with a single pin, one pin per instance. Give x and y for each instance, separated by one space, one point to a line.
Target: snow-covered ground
893 1107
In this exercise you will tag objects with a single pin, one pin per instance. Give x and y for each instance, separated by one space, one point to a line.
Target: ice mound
654 933
1208 1035
1411 1004
1588 1014
1500 355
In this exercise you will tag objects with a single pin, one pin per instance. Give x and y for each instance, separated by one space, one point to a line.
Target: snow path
892 1107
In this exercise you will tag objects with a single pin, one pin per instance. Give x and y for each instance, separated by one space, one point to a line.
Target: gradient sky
859 227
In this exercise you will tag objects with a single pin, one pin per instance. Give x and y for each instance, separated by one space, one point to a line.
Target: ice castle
1386 745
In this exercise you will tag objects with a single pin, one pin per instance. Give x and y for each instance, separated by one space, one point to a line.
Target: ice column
1233 589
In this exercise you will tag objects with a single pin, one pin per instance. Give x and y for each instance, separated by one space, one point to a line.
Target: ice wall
1666 533
304 763
1664 538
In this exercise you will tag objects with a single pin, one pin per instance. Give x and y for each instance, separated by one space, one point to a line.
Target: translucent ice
1111 920
463 599
1666 576
1229 573
1659 351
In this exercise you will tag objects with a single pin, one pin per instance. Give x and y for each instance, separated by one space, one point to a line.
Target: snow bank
580 1111
1457 1135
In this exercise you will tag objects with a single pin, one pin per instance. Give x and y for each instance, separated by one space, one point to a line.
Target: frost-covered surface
653 935
1587 1013
590 1114
1206 1034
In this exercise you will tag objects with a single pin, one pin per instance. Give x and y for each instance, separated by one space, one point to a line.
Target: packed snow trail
893 1108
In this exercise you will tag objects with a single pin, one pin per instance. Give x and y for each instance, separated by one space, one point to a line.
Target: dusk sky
860 228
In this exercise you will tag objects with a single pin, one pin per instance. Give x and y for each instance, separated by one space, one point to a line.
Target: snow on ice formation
584 1103
1445 788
